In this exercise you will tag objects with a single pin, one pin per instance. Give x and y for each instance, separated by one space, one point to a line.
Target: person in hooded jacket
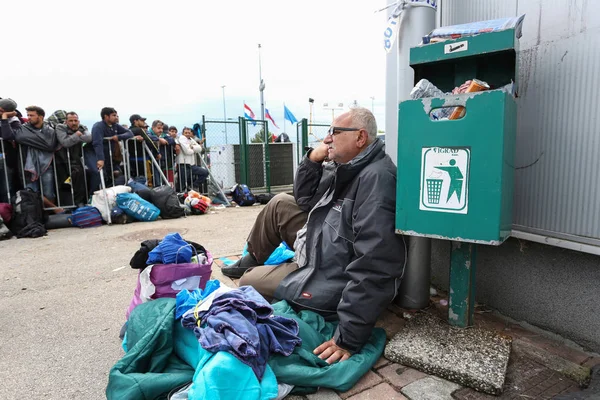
38 141
340 222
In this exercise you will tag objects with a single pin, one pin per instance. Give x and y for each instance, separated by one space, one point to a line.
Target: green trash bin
455 176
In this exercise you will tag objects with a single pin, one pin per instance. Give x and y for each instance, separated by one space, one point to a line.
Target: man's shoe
237 269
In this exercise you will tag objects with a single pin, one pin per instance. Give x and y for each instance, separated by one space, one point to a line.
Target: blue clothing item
221 376
240 322
102 130
187 300
171 250
283 253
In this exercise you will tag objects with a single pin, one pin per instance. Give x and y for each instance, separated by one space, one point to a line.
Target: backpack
28 214
165 198
86 217
242 195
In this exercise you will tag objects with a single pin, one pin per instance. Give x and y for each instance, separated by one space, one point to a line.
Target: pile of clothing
224 343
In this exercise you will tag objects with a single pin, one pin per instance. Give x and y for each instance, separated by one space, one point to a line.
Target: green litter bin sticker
445 179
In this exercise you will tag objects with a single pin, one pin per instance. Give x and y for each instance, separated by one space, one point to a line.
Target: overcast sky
169 59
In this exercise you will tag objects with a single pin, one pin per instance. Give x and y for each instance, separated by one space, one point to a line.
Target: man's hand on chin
331 352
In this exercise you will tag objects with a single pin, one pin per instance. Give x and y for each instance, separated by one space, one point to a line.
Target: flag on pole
249 114
287 114
268 116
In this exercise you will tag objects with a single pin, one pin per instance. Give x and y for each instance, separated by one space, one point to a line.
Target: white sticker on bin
456 47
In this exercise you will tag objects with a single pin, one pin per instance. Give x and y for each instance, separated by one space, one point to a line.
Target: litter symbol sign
445 179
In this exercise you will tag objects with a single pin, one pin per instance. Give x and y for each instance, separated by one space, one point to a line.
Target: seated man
190 175
69 168
349 261
38 141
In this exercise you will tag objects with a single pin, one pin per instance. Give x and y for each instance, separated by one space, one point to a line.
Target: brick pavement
526 378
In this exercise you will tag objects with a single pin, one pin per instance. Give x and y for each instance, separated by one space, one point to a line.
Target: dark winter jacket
354 260
38 145
102 130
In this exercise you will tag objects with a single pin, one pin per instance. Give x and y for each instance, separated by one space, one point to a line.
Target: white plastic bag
99 201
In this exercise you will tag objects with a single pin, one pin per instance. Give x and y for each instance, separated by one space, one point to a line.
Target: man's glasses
336 130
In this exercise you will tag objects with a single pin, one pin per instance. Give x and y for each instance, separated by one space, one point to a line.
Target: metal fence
235 152
71 175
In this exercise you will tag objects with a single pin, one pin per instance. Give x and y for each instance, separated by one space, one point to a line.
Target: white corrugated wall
557 192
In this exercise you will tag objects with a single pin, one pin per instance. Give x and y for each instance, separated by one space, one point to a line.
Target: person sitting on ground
137 153
38 140
69 168
100 150
340 222
190 175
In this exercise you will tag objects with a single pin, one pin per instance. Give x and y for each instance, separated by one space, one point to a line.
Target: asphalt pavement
63 299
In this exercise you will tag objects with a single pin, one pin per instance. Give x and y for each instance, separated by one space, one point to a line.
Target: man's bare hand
79 133
139 138
115 138
319 153
177 149
159 156
163 141
331 352
99 164
8 114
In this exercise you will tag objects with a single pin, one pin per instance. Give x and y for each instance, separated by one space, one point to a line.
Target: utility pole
224 113
372 102
261 87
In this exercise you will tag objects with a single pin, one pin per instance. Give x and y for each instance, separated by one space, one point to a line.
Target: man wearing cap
348 260
9 152
137 158
105 135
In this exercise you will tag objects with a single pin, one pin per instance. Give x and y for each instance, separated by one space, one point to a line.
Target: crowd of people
47 154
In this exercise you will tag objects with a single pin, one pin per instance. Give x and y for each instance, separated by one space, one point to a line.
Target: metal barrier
221 142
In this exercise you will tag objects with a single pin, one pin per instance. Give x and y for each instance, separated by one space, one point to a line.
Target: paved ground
63 300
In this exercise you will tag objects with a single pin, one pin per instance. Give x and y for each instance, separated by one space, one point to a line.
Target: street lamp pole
372 102
224 113
261 87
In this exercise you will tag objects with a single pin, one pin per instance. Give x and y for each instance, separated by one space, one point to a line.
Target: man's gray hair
363 118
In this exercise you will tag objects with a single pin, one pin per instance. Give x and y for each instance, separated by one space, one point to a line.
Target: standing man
340 222
38 141
9 153
136 153
69 167
101 149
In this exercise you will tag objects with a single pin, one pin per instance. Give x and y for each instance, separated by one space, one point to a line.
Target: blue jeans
47 179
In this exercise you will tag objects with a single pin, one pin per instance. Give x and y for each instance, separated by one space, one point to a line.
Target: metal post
304 135
461 303
224 113
416 23
267 157
261 87
243 151
412 293
372 103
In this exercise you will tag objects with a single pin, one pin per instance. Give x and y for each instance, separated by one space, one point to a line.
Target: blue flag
288 115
